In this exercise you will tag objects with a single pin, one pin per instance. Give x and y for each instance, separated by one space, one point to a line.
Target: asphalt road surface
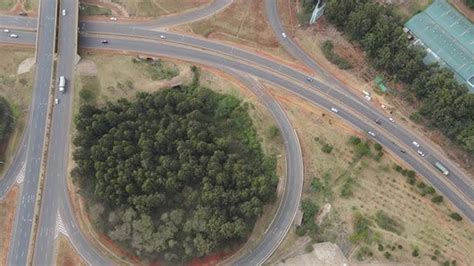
20 242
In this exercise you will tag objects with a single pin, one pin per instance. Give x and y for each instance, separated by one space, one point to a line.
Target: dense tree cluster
470 3
178 173
6 121
445 104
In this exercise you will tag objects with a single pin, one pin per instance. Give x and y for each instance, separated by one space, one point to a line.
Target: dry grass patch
244 23
17 89
66 254
155 8
7 214
367 186
408 8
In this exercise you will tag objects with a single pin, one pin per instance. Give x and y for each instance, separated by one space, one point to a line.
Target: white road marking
60 227
21 174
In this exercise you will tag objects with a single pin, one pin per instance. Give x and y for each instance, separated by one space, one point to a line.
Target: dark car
104 41
23 13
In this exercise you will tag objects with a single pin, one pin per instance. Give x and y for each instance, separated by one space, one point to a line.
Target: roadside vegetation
445 104
359 197
333 57
469 3
188 188
91 10
150 8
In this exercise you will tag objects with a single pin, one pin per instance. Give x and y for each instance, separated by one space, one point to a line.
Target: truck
441 168
62 83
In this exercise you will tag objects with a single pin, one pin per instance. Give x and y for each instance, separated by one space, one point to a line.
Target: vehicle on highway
13 36
113 18
441 168
22 13
420 153
368 98
416 144
62 84
283 34
391 120
310 79
334 110
56 101
6 30
104 41
163 37
371 133
378 121
64 12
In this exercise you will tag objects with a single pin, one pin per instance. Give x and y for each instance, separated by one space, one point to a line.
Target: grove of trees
445 104
172 175
6 120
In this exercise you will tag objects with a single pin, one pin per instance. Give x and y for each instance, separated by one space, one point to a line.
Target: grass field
154 8
7 211
244 23
17 90
400 220
129 77
6 5
65 253
90 10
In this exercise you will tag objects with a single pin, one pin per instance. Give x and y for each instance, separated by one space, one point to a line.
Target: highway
196 50
23 225
458 177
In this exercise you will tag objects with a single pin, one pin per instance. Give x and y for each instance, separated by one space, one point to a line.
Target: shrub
437 199
411 173
411 180
387 255
354 140
309 248
273 132
380 247
415 252
455 216
300 231
333 57
377 147
316 184
387 223
327 148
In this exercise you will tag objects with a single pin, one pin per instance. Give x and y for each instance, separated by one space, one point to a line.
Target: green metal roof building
448 37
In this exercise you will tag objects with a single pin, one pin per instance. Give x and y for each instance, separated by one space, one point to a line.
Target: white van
62 83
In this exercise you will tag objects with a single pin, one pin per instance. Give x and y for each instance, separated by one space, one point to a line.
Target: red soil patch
7 211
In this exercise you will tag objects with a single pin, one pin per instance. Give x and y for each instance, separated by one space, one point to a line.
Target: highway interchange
145 39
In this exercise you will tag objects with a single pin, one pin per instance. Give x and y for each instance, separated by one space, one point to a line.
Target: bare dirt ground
243 23
65 253
376 186
7 214
95 67
361 77
26 66
323 254
13 7
17 90
461 7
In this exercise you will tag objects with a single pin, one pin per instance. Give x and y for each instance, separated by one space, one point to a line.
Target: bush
362 149
362 232
332 57
455 216
316 184
346 190
411 180
273 132
380 247
398 168
387 223
377 147
354 140
327 148
415 252
387 255
437 199
300 231
309 248
411 173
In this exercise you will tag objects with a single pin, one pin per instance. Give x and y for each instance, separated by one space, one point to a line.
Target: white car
56 101
6 30
283 34
371 133
334 110
368 98
391 119
13 36
416 144
64 12
420 153
163 37
113 19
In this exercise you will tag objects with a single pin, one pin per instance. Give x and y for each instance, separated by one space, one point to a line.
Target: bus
441 168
